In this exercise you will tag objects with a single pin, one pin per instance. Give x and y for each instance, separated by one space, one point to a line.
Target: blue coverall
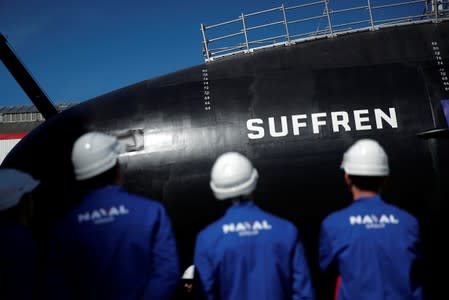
250 254
114 245
375 246
17 262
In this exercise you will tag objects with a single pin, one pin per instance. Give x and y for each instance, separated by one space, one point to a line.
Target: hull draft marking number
440 65
206 90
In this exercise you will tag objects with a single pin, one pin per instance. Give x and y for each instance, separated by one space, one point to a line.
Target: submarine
292 99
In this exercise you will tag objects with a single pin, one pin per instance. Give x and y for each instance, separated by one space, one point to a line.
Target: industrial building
18 121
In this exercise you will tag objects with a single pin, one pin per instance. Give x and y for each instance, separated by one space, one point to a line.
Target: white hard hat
189 273
13 185
94 153
232 175
366 157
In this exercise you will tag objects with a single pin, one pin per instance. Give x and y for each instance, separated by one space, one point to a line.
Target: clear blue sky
77 50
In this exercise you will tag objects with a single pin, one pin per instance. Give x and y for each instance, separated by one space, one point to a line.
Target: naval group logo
103 215
373 221
246 228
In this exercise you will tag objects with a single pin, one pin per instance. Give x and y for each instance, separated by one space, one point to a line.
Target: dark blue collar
375 198
246 205
108 189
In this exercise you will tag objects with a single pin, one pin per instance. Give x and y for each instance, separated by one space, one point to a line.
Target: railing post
370 15
205 42
285 23
435 6
244 31
328 17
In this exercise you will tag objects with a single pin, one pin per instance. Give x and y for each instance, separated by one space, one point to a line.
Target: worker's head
233 176
95 156
187 279
15 190
366 165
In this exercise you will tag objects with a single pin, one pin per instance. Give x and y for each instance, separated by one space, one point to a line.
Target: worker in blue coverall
248 253
375 246
18 256
113 245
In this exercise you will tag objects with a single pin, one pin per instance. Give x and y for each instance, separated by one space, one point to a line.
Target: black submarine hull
293 110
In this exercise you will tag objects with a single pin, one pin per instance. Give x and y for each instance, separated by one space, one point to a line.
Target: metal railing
313 20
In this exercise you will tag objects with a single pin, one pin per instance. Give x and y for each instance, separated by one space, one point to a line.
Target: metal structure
283 26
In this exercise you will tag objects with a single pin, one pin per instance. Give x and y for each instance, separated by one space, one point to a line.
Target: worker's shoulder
336 218
403 213
214 226
209 234
15 233
276 224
